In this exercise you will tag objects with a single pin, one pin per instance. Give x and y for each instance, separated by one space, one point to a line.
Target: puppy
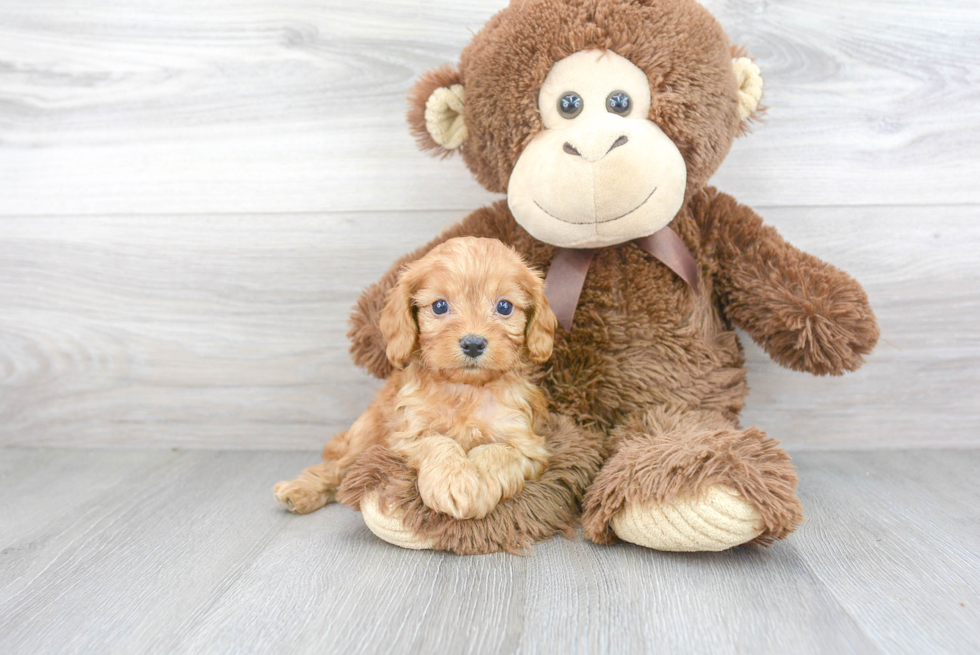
463 326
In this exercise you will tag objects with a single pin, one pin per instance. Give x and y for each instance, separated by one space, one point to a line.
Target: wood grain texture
297 106
228 331
192 196
187 552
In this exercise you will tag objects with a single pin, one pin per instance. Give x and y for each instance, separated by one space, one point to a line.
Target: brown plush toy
603 120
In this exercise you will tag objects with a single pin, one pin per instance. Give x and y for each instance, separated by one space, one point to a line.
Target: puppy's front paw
500 470
505 468
299 498
535 460
460 493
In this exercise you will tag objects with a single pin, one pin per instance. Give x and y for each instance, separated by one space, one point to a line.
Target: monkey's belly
605 383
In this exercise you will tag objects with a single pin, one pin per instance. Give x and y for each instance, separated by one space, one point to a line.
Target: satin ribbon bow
566 277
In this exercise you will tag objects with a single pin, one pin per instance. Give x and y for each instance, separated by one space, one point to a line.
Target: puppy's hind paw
298 498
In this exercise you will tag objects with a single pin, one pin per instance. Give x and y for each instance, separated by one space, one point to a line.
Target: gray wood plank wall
192 196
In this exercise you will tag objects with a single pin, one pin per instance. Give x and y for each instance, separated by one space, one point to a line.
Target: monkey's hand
806 314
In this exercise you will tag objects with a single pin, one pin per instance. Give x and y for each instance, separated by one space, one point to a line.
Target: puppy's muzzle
472 345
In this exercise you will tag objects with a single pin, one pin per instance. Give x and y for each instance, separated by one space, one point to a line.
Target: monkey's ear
435 111
398 324
749 79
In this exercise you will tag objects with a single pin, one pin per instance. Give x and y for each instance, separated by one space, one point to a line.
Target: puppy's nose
472 345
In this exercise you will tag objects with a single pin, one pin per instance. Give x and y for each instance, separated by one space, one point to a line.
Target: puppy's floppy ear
435 111
541 321
398 323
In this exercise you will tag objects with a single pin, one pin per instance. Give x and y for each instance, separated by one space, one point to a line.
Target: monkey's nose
621 141
595 148
472 345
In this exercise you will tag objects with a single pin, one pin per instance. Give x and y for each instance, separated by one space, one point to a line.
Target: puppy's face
471 309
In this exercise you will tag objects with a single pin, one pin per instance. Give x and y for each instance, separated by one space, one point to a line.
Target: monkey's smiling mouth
608 220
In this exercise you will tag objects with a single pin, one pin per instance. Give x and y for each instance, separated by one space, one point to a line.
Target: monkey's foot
718 520
389 527
691 481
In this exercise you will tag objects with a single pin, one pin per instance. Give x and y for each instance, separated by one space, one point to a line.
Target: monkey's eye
570 105
618 102
505 308
440 307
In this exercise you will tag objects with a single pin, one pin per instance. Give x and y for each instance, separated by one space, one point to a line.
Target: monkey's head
598 118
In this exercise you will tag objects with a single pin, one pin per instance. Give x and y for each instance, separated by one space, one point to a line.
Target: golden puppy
463 325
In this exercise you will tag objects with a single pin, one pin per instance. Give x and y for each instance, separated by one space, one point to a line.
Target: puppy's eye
505 308
570 105
440 307
618 102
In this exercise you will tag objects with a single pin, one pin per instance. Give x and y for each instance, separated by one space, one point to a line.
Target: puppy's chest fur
470 414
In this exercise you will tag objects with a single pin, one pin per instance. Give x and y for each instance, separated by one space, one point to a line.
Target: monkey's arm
806 314
367 347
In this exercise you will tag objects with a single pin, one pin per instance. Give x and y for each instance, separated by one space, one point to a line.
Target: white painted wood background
192 195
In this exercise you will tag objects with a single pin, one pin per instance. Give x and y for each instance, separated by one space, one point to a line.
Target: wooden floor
160 551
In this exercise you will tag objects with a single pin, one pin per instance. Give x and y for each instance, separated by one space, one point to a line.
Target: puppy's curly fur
466 417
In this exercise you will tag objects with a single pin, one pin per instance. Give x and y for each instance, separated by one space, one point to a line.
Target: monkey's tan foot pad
389 527
385 489
720 519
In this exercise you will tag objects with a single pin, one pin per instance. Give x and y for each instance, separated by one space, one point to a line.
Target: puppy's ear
398 323
541 321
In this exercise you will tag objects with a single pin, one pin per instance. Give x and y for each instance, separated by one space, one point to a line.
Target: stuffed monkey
602 121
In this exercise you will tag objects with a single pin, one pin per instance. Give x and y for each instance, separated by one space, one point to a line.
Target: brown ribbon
566 277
